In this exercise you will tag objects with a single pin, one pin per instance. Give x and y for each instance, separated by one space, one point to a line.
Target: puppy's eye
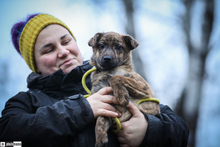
101 46
119 47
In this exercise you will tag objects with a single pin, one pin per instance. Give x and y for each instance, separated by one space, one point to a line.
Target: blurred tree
4 78
130 30
188 105
4 82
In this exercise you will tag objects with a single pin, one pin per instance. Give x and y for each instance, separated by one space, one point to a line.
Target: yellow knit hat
30 33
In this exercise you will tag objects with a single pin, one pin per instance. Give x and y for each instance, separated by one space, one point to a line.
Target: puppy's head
111 50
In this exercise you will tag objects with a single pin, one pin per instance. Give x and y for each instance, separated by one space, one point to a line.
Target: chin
67 70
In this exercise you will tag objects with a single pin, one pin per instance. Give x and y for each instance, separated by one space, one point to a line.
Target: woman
54 112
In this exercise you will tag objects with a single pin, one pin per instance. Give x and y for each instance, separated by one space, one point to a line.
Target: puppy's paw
102 140
124 102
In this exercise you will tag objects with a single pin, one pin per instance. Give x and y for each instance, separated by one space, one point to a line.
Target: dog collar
115 118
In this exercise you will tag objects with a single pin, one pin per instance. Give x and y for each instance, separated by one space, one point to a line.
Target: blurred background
179 51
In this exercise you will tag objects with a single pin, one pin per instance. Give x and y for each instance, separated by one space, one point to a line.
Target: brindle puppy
112 58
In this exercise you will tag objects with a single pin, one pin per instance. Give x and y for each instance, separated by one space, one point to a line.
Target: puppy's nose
107 59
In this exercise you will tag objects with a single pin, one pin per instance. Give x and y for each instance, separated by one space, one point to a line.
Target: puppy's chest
104 76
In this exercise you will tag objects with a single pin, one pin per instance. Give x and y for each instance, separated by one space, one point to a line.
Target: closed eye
48 50
65 39
65 42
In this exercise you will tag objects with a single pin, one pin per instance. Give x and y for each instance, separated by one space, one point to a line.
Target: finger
111 108
133 109
110 99
108 107
104 112
105 90
125 129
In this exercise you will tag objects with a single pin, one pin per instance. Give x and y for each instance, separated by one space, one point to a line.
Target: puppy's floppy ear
92 42
130 42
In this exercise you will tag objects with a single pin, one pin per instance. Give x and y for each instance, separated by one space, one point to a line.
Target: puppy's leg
102 126
125 86
132 87
120 92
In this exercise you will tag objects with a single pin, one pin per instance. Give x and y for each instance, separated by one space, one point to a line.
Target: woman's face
55 49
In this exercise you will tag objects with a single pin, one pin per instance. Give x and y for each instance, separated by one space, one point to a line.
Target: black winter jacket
54 113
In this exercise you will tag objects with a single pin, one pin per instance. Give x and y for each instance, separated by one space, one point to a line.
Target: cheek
74 49
76 52
46 62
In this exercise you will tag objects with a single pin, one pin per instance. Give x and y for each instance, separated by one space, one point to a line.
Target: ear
93 41
130 42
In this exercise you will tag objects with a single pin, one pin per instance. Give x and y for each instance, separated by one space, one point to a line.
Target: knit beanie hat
29 35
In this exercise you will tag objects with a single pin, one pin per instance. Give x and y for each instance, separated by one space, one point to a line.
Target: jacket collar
58 83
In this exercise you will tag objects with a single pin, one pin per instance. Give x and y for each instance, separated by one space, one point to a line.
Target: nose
62 52
107 59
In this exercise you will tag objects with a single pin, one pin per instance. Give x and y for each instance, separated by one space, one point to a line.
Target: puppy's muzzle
108 63
107 59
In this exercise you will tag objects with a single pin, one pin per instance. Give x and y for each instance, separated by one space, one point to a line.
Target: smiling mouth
67 62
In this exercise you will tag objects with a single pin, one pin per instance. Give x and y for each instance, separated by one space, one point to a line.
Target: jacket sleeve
166 130
48 126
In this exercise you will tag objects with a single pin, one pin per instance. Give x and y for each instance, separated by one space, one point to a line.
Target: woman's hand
133 131
100 103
